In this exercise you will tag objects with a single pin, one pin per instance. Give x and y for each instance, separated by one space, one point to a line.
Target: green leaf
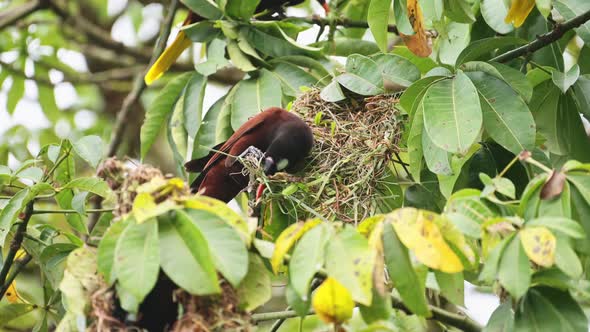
137 258
206 136
239 59
53 259
90 184
415 147
274 46
397 69
492 263
350 261
185 256
544 7
459 11
80 280
300 306
549 309
332 92
15 205
572 8
582 93
506 116
425 64
563 225
566 258
79 204
401 272
515 79
106 250
412 96
451 286
307 259
400 12
16 93
494 12
436 158
514 271
11 311
241 9
254 95
192 107
292 77
565 80
380 308
206 8
158 111
456 39
255 289
348 46
215 58
502 319
176 133
452 113
228 250
89 148
32 173
481 49
378 19
362 76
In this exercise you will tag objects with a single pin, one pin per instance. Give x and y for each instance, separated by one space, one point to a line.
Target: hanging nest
349 174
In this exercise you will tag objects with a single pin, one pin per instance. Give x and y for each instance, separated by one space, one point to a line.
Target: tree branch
17 268
70 211
24 10
545 39
344 22
15 245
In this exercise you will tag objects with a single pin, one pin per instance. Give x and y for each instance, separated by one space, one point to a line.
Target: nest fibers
349 174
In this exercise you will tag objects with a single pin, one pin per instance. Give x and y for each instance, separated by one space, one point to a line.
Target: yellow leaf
419 43
332 302
452 235
286 240
417 231
20 254
519 10
366 226
11 293
145 207
539 245
168 57
220 209
376 245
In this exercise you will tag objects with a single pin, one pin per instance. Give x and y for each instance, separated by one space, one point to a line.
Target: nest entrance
348 175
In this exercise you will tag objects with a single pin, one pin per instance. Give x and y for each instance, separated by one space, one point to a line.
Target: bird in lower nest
279 139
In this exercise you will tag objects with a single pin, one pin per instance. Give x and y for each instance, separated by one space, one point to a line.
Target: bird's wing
197 165
226 147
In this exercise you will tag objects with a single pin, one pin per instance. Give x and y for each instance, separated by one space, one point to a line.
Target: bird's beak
270 166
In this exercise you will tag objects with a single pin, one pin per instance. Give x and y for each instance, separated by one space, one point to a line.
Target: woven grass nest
348 174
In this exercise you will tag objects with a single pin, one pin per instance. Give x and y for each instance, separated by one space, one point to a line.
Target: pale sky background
29 114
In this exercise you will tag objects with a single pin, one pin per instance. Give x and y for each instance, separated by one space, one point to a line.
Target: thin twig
344 22
72 211
545 39
15 244
17 13
264 316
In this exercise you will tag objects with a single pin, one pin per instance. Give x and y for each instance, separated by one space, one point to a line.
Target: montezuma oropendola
182 42
283 137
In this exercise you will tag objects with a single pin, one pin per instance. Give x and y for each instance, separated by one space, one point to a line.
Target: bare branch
545 39
20 12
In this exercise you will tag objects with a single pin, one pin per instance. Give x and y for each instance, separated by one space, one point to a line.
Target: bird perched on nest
182 42
279 139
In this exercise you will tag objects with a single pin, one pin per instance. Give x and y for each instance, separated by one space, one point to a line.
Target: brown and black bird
182 42
282 139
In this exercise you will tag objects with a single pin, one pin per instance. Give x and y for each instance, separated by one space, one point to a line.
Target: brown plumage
282 136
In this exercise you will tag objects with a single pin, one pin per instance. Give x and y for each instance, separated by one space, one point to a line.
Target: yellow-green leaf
286 240
417 231
332 302
539 244
11 293
366 226
452 235
519 10
221 210
145 207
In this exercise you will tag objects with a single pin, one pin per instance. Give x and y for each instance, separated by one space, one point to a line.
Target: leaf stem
56 165
508 167
264 316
